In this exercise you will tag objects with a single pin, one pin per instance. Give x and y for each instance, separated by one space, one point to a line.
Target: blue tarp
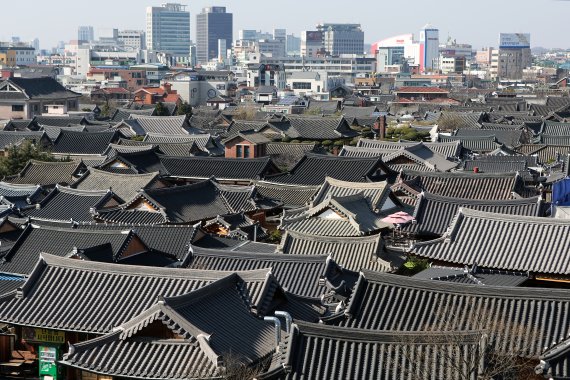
561 192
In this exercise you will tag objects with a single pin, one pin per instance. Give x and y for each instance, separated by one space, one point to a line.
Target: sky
477 22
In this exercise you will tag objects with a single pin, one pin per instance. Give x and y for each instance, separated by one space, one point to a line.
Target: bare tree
476 345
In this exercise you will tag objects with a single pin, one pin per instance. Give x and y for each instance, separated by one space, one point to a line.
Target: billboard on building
514 40
314 36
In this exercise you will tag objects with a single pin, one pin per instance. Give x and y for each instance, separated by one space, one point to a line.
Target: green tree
160 110
17 156
185 109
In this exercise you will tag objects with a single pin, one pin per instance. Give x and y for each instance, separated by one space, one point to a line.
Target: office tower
514 55
36 45
311 43
429 40
132 39
247 35
168 29
280 34
213 24
342 38
85 33
293 44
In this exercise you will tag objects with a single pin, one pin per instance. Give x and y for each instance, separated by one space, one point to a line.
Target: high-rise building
429 48
514 55
342 38
213 24
248 35
312 43
132 39
280 34
168 29
85 33
293 45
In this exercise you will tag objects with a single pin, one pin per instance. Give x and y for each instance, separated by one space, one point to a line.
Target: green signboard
47 359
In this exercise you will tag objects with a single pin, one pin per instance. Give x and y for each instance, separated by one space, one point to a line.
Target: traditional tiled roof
301 275
42 88
473 275
545 153
458 120
20 195
65 204
286 155
21 125
477 144
450 149
46 300
172 240
556 129
481 186
202 344
557 101
488 240
553 140
417 156
316 127
60 121
205 142
434 213
168 149
555 362
136 162
353 217
125 113
498 164
9 283
376 193
48 173
508 137
238 126
353 253
329 353
88 143
184 204
23 256
219 167
54 132
314 168
126 186
521 320
290 195
171 125
11 138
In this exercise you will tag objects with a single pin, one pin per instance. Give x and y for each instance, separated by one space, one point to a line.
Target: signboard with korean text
43 335
514 40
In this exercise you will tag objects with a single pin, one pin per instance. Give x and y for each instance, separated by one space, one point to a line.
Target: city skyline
59 23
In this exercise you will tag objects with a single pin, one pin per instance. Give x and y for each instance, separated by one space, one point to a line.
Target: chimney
382 127
167 87
277 324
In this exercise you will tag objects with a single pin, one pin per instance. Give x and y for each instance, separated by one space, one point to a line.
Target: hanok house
24 98
420 94
247 144
44 302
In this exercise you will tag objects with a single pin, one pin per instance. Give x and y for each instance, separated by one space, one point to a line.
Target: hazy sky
477 22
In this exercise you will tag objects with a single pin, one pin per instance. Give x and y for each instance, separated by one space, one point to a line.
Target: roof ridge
487 290
93 266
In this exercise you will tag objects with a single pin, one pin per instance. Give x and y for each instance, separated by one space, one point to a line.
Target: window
246 151
301 86
17 108
238 150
